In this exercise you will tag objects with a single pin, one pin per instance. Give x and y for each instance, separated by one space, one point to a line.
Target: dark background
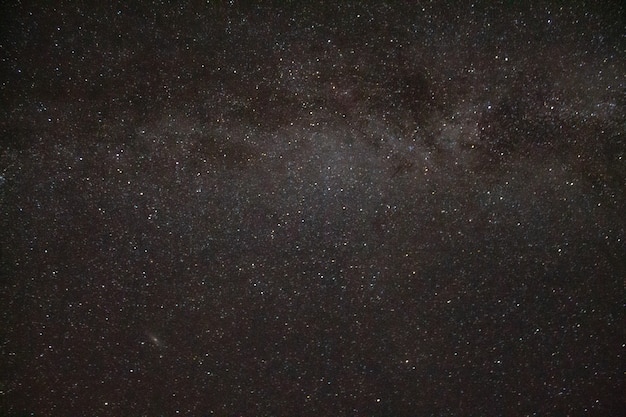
312 208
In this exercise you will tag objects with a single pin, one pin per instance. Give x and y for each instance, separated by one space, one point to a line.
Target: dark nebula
312 208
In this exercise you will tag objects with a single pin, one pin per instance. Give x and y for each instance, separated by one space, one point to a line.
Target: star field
312 208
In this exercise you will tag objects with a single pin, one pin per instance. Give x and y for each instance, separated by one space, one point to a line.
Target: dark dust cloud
312 208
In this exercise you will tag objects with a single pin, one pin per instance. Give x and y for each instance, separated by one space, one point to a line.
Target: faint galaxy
352 208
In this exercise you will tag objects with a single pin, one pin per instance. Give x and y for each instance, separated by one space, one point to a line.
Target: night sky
374 208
